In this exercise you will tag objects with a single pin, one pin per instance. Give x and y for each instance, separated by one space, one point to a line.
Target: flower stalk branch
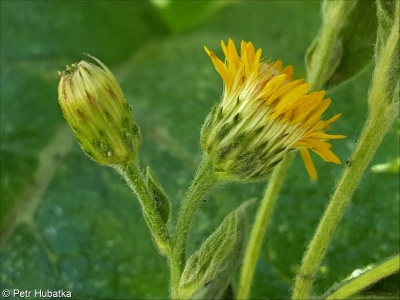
204 180
369 277
325 53
133 176
260 226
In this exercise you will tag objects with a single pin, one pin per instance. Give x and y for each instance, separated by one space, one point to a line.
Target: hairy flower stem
384 109
375 129
364 280
318 77
260 225
204 180
158 229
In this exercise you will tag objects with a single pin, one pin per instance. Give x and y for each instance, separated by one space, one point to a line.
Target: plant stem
376 127
205 178
327 52
260 227
158 229
318 77
383 111
364 280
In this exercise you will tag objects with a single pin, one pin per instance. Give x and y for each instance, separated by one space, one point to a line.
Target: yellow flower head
263 115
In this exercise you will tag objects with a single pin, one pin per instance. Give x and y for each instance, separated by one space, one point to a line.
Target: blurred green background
67 223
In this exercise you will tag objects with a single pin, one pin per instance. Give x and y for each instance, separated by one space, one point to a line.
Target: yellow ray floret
271 97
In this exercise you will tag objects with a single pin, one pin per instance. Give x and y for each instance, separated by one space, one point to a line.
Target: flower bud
95 108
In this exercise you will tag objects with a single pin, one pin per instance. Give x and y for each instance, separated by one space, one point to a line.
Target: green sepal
159 196
219 287
203 265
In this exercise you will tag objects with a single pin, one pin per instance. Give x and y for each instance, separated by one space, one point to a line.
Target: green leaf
182 15
353 43
365 278
67 30
202 266
159 195
86 232
357 38
219 287
386 288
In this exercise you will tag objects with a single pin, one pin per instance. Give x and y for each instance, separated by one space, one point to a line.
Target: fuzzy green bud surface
95 108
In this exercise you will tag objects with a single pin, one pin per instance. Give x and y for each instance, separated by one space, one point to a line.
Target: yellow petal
305 155
219 66
277 65
323 135
288 71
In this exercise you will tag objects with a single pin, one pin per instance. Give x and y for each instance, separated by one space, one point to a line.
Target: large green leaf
70 224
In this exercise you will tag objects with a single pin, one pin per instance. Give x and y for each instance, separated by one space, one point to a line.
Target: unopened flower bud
94 106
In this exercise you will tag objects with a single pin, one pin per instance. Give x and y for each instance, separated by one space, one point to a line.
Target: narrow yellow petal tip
207 51
305 155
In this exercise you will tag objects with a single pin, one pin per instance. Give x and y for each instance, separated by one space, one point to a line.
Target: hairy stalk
158 229
260 227
318 77
327 54
384 109
372 134
356 285
204 179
